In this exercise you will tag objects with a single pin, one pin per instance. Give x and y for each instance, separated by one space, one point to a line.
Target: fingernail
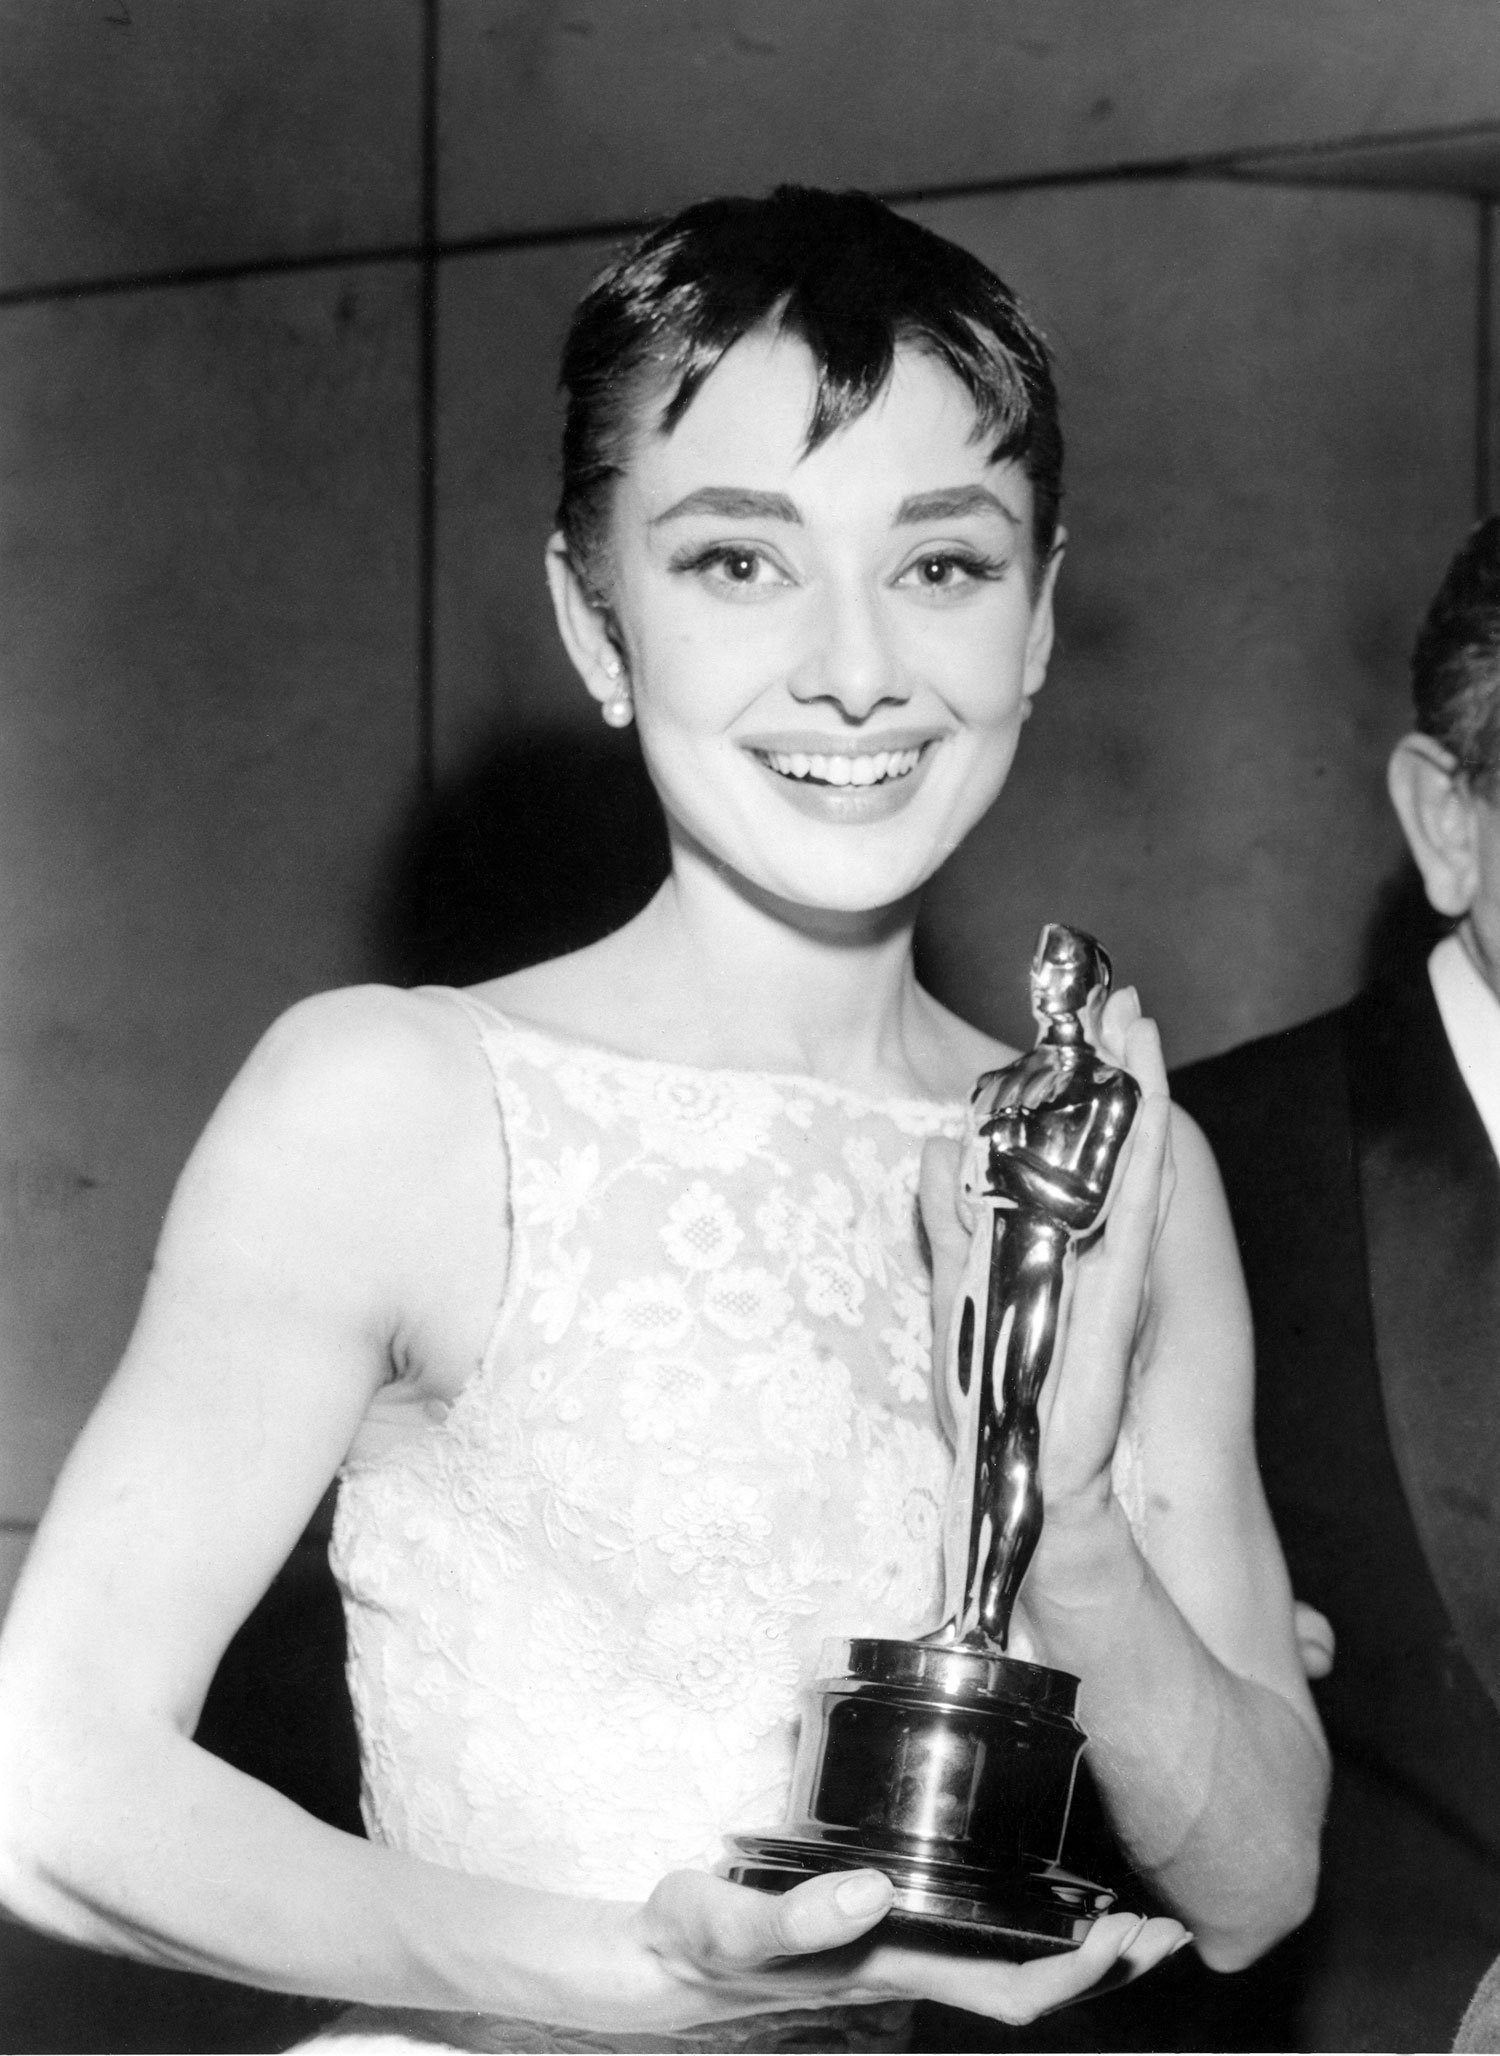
863 1893
1189 1937
1134 1936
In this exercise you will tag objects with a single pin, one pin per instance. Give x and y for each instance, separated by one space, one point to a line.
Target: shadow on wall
543 844
1402 929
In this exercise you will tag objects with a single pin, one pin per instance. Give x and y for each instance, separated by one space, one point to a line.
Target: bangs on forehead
853 366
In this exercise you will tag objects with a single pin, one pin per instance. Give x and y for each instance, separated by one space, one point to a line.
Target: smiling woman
789 616
602 1288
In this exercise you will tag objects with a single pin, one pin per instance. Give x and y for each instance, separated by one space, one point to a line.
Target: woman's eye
732 565
947 570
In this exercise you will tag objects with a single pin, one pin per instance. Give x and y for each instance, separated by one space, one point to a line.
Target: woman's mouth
846 787
838 770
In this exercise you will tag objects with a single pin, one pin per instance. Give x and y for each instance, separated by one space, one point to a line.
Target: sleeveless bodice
582 1604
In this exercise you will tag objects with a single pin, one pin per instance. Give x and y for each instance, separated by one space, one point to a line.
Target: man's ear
584 625
1040 638
1438 813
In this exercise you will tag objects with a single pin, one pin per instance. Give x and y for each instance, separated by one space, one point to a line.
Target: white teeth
844 770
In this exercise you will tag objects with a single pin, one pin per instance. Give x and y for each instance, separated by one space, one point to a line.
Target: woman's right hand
729 1950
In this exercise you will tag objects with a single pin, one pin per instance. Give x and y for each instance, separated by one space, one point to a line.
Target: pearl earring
618 710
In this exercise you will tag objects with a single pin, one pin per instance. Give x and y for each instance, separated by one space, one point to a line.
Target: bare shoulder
360 1130
361 1039
351 1181
362 1068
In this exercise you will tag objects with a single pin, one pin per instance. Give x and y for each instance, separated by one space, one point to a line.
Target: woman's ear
585 626
1039 639
1438 814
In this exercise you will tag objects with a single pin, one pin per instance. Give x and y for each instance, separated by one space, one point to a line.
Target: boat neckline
517 1024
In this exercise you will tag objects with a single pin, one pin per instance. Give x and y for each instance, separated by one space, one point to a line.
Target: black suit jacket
1366 1200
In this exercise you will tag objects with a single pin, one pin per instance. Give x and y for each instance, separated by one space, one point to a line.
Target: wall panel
146 135
207 735
603 110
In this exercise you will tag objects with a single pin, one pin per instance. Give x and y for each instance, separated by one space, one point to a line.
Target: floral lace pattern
582 1605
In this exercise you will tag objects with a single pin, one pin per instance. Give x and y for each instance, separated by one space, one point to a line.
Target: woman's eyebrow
948 502
735 503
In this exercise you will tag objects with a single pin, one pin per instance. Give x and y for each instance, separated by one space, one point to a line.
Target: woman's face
831 654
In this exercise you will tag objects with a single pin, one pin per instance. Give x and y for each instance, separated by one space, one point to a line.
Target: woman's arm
314 1233
1202 1734
334 1252
1202 1731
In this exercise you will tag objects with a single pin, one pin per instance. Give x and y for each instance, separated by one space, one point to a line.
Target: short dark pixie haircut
1455 667
839 271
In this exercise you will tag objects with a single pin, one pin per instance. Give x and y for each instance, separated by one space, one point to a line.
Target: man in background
1359 1151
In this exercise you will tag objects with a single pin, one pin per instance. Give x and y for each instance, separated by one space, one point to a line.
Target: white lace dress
581 1605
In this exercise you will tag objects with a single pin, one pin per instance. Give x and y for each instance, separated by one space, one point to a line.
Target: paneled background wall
281 287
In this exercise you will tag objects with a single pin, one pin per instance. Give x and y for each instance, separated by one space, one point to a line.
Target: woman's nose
853 663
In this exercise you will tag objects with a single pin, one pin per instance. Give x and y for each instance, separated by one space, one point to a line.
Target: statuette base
951 1770
1018 1914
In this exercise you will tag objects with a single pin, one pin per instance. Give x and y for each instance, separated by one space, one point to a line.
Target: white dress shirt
1471 1020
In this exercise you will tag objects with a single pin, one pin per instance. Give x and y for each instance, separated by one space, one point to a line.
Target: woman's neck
788 987
713 973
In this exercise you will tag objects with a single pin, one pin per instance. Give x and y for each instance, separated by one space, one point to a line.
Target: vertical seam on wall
1484 366
427 343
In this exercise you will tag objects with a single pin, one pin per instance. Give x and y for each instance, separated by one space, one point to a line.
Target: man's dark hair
1455 667
839 271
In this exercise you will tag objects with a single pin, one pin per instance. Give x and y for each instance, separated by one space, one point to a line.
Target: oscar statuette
945 1762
